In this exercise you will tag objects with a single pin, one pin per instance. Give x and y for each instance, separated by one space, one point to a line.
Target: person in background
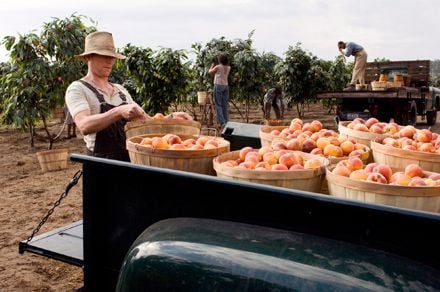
71 127
99 108
348 49
273 98
221 88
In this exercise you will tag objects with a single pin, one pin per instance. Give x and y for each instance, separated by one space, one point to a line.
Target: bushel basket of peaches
409 145
281 168
411 187
314 139
179 123
191 153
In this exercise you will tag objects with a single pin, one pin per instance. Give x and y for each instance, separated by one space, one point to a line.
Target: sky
395 30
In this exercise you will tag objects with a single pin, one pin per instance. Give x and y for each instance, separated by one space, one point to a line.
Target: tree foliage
160 77
43 65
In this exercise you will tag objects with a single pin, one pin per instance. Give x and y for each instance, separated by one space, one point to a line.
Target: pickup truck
154 229
402 103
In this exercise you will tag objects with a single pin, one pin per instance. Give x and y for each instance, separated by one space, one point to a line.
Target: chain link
71 184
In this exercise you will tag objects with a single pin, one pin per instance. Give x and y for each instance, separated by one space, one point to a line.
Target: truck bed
401 92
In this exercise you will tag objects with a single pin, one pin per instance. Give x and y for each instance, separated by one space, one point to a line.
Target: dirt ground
27 193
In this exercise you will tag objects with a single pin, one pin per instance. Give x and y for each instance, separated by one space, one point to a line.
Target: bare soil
27 193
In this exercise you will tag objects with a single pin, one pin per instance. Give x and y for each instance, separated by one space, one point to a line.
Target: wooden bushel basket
307 180
360 136
420 198
398 158
266 137
198 161
53 160
165 126
204 97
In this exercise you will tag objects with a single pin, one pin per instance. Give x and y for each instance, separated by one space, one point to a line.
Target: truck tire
412 113
431 117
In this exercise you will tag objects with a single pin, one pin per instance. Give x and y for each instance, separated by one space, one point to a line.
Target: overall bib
111 142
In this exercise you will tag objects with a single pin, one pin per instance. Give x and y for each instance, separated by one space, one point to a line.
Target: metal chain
71 184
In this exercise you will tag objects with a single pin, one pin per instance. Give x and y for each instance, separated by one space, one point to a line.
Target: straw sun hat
100 43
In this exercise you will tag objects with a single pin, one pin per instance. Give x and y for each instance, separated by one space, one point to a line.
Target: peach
407 131
312 163
263 165
385 170
264 150
202 140
354 163
243 151
295 126
270 158
316 126
341 170
370 166
317 151
296 167
248 164
413 170
280 152
401 179
146 141
177 147
434 176
358 174
279 166
371 121
174 139
294 144
212 142
426 147
230 163
189 142
287 159
423 135
209 146
417 182
308 145
391 128
297 120
196 147
376 177
251 156
278 145
430 182
332 150
274 132
159 143
159 116
376 129
347 147
361 127
322 142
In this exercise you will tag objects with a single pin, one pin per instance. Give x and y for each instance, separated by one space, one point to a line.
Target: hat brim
101 53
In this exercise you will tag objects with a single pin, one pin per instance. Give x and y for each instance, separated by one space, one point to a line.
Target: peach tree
43 66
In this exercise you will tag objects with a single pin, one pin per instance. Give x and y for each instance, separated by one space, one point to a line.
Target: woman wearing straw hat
99 108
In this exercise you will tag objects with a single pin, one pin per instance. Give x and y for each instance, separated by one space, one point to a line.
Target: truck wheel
412 114
431 117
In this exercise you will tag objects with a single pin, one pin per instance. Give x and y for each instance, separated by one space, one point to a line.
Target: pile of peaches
266 158
314 139
175 142
174 116
413 175
410 138
373 125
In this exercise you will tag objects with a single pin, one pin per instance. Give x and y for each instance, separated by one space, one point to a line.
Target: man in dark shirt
273 98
